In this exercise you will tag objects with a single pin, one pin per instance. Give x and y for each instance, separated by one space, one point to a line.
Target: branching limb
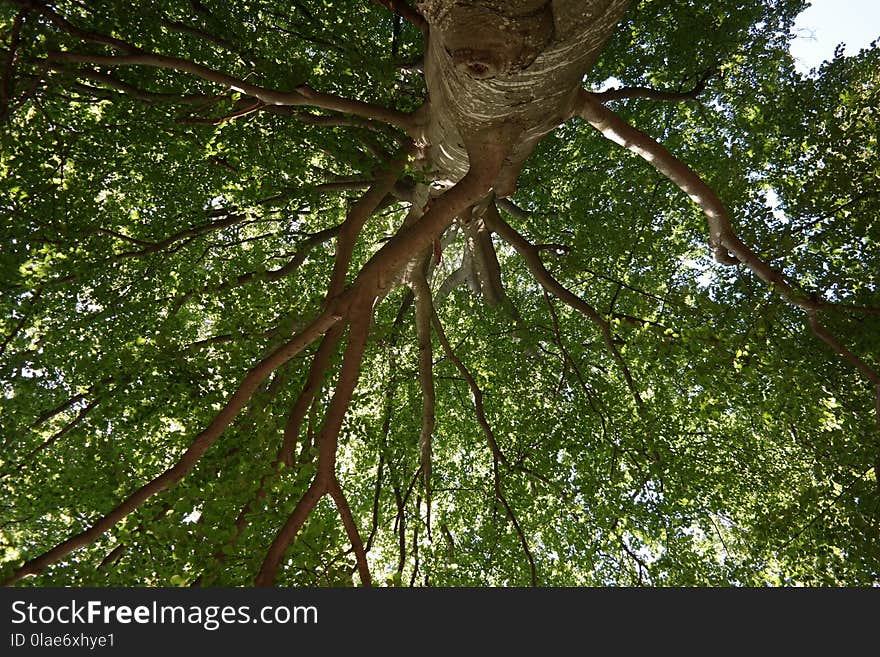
243 519
202 442
112 82
404 121
327 445
116 553
725 243
243 109
20 324
317 372
295 521
7 77
498 456
415 544
302 96
63 406
864 368
829 507
270 275
476 392
377 494
346 238
451 282
355 304
533 571
722 237
400 528
305 247
336 121
195 231
487 152
202 35
351 529
518 213
135 56
358 215
532 257
590 394
484 260
405 11
113 556
822 333
39 7
424 312
656 94
385 453
372 279
228 217
55 437
346 234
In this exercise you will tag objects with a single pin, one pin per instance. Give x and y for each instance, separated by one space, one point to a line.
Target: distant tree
299 293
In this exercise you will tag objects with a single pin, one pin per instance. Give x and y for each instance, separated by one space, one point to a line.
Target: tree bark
519 62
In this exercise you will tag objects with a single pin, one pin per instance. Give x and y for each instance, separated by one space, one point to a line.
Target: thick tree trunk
519 62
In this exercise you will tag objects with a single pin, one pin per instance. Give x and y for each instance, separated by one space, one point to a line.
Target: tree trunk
519 63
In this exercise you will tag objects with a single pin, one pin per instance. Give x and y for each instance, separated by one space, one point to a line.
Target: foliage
141 240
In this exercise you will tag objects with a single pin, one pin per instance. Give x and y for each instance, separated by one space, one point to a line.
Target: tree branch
141 94
498 457
456 278
478 242
87 35
532 257
403 9
721 234
722 237
135 56
202 442
648 93
346 234
351 529
488 150
302 95
822 333
25 317
424 312
358 215
327 445
6 80
270 275
355 303
377 493
533 571
55 437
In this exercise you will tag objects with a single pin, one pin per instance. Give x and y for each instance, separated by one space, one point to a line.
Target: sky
828 22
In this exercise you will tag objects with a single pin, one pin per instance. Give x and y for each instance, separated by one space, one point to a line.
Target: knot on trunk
486 39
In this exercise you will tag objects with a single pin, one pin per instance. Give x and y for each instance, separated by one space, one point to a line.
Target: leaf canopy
161 234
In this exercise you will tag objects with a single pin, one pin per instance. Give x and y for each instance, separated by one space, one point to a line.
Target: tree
303 293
